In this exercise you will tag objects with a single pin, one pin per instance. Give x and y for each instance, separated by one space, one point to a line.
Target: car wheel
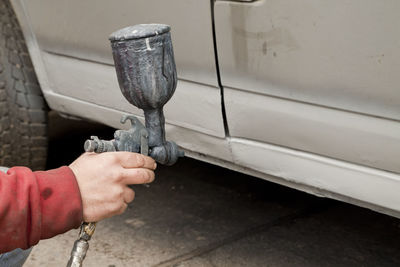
23 110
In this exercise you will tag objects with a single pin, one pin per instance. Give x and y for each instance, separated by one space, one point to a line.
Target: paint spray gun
146 71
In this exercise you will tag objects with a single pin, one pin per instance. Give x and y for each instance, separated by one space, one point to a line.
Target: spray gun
146 71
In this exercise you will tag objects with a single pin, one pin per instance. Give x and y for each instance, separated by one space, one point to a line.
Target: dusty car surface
302 93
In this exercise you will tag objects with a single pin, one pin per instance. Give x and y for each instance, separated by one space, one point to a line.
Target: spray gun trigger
134 139
134 121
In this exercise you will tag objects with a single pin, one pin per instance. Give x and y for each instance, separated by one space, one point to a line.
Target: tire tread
23 110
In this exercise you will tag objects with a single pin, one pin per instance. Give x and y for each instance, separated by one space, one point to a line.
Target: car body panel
74 34
97 83
352 183
80 29
341 54
352 137
78 79
314 76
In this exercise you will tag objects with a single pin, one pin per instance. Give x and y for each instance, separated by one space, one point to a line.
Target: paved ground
196 214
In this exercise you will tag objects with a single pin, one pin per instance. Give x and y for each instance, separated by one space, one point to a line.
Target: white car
301 93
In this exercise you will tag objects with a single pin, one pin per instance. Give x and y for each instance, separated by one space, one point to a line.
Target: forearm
37 205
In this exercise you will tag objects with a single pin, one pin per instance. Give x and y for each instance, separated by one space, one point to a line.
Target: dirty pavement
196 214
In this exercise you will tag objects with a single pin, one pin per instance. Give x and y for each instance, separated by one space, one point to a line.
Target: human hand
103 181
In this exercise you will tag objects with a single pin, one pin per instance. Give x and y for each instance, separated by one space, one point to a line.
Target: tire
23 110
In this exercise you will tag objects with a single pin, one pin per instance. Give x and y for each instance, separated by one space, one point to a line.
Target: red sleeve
37 205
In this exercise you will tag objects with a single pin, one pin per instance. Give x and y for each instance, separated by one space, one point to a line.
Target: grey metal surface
356 138
146 71
75 28
321 78
81 245
78 253
60 52
145 65
342 54
133 140
139 31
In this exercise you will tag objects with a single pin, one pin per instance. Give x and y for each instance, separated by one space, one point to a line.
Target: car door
321 77
78 66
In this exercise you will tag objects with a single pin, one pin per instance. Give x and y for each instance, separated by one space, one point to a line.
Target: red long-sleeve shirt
37 205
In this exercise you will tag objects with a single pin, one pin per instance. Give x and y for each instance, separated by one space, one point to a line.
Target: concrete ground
196 214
